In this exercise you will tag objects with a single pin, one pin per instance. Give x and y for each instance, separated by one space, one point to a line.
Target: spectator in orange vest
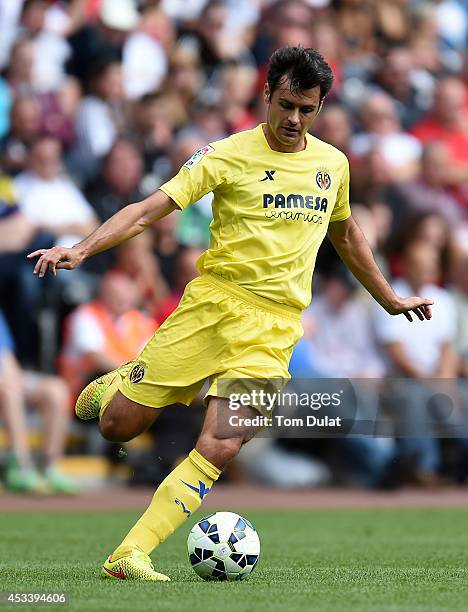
105 333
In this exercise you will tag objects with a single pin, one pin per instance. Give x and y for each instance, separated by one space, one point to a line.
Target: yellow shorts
218 331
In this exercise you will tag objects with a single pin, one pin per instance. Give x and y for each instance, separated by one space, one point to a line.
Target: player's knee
123 420
114 430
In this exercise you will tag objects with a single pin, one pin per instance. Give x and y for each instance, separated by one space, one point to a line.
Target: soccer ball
223 546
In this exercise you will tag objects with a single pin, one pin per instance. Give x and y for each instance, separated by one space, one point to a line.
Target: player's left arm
354 250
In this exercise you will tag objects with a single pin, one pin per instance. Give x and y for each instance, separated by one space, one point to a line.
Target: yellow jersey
271 210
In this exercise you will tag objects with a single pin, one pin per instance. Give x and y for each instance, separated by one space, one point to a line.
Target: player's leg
122 419
181 492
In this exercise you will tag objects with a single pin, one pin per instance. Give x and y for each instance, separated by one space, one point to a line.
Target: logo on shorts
137 372
323 180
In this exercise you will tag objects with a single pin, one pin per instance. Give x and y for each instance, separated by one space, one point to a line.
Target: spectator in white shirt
342 345
100 117
382 132
55 207
50 201
417 356
415 352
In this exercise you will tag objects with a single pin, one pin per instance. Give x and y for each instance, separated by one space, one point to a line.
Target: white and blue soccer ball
223 546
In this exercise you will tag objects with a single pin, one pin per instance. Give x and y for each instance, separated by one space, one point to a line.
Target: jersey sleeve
342 209
208 169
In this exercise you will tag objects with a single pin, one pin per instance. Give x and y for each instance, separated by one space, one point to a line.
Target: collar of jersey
262 136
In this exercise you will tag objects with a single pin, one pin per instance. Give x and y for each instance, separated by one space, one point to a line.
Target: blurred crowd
101 101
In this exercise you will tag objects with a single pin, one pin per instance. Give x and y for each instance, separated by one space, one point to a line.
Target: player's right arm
125 224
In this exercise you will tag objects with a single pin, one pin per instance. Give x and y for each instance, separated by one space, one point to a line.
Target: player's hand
421 307
55 258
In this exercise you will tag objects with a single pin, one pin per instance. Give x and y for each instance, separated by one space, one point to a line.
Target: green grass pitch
324 560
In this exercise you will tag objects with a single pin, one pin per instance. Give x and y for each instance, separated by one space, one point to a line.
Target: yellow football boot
135 566
88 403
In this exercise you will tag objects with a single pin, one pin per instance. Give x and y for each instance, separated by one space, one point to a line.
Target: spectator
119 183
144 54
25 128
452 22
215 45
16 231
447 122
99 119
18 295
114 188
326 39
334 126
185 78
285 22
430 228
424 39
105 333
340 325
207 119
21 81
58 211
399 78
237 91
9 17
373 178
415 356
19 70
104 40
356 22
136 259
51 51
166 247
152 129
50 395
52 203
382 131
183 10
391 21
429 192
375 222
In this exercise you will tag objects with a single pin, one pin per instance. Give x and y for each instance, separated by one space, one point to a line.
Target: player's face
290 116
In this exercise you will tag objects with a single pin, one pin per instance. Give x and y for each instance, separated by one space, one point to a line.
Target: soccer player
277 192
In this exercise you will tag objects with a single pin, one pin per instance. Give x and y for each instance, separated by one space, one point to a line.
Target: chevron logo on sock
182 505
202 489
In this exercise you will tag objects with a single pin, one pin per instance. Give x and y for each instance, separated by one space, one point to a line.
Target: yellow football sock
176 498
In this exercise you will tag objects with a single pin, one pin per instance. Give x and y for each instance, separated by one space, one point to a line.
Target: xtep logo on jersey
269 176
202 489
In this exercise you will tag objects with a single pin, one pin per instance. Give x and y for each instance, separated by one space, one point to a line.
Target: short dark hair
304 68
